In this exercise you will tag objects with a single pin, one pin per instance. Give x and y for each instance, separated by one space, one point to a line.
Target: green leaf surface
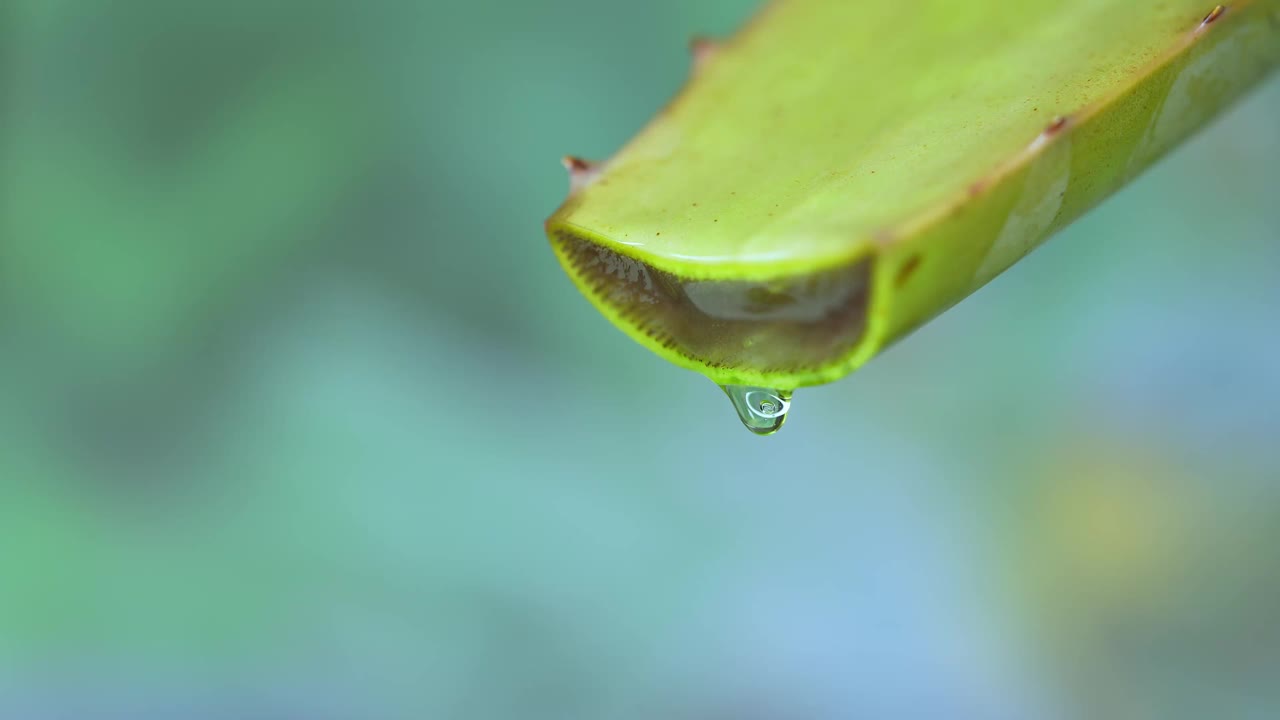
840 171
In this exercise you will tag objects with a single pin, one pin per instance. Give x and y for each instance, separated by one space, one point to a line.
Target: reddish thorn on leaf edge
1214 14
575 164
581 172
702 48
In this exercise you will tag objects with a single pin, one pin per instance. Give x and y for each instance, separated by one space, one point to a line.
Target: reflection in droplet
761 410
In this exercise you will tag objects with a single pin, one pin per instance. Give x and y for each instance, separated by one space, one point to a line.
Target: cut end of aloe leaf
731 330
839 172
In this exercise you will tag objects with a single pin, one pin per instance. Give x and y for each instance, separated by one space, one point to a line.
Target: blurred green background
300 418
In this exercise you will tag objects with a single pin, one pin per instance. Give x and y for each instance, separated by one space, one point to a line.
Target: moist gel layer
777 327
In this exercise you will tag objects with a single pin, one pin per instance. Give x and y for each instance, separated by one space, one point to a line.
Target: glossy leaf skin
933 142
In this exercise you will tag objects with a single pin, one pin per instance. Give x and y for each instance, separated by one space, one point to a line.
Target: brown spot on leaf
907 270
1213 15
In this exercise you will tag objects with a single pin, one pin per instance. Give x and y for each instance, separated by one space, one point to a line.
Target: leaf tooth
1213 15
1052 130
581 172
702 49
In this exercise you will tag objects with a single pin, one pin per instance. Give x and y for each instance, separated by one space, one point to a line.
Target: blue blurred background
300 418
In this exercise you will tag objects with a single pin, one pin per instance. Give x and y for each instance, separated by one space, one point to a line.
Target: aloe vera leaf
839 171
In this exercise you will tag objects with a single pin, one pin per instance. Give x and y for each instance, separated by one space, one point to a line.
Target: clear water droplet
761 410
